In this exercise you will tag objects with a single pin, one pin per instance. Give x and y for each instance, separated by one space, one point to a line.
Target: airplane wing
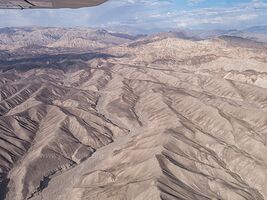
24 4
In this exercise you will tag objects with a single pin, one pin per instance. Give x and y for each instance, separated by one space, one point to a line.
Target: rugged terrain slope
157 118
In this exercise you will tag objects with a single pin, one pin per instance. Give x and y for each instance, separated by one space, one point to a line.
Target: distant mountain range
257 33
75 38
37 39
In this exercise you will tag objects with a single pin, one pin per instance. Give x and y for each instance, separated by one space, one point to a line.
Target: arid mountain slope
161 118
59 38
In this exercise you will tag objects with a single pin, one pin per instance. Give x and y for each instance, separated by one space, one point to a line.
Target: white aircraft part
24 4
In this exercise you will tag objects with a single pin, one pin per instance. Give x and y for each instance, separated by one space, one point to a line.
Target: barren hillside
155 118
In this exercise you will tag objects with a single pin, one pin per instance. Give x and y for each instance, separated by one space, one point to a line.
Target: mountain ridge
161 117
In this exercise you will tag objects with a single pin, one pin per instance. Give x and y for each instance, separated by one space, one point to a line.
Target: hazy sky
148 14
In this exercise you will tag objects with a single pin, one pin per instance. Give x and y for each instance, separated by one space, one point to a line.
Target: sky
147 15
